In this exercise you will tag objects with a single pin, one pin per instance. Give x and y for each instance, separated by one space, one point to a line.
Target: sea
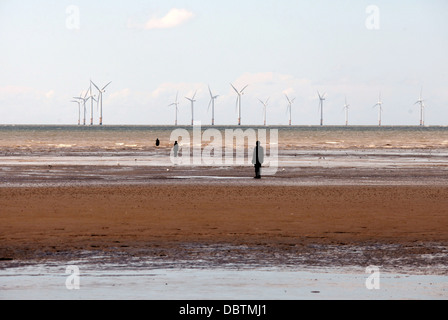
67 139
221 151
27 143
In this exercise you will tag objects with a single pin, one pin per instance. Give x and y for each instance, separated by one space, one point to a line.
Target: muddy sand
391 226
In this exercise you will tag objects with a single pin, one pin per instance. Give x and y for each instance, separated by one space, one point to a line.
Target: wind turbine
289 107
379 104
238 101
422 107
212 103
192 107
321 106
79 110
265 104
176 109
346 107
100 99
84 100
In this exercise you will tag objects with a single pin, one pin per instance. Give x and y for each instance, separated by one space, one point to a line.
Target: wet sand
392 226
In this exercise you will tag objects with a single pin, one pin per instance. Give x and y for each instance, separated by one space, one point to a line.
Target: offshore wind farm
83 99
89 95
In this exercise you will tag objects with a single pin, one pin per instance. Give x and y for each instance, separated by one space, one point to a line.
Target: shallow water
210 272
112 281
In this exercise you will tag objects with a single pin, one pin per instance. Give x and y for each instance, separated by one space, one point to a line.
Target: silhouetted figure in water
258 159
175 149
157 142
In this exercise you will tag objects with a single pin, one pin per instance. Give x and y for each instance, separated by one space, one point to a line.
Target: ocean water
49 154
66 144
35 138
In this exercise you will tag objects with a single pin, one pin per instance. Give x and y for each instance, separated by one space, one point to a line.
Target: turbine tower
321 106
238 101
79 110
176 109
346 107
379 104
289 107
192 107
212 103
84 100
100 99
91 103
265 104
422 107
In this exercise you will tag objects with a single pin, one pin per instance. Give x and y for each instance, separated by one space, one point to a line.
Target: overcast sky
151 49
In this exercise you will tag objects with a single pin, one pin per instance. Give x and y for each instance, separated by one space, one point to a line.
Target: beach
126 212
278 223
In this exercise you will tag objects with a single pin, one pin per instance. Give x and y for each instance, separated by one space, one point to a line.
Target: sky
150 50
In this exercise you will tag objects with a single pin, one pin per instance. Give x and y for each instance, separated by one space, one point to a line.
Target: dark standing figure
175 149
258 159
157 142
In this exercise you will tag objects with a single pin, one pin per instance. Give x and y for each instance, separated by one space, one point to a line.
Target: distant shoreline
349 127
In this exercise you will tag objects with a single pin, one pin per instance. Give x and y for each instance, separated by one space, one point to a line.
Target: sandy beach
268 224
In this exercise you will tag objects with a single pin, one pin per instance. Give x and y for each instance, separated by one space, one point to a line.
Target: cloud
17 90
21 92
175 17
183 88
121 94
49 94
276 84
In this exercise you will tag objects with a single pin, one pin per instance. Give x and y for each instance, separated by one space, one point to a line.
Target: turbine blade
235 89
243 89
106 86
95 85
209 90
